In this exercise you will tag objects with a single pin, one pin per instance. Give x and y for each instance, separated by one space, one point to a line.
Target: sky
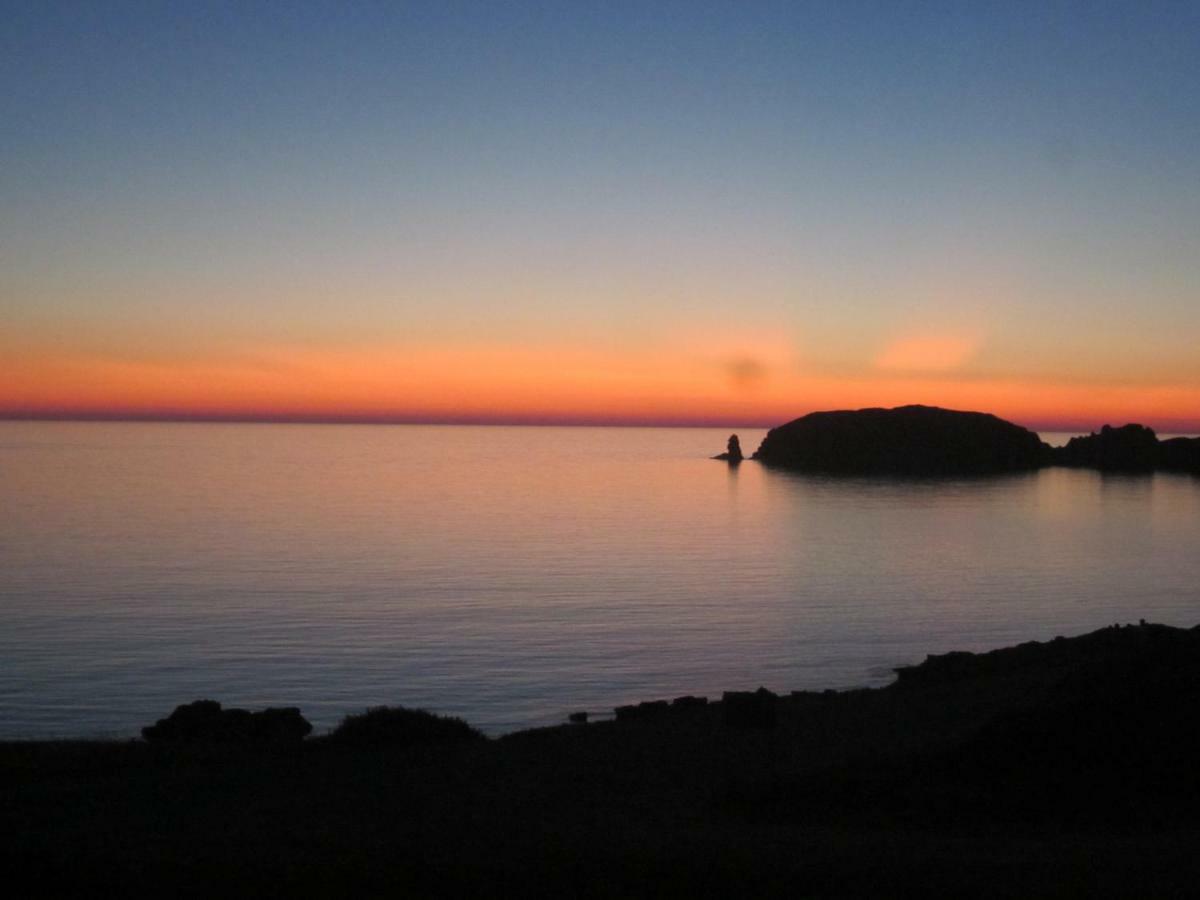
651 212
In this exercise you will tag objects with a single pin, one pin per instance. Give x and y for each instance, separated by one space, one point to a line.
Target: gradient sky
644 212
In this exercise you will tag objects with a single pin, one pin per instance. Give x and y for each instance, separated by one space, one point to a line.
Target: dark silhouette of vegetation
1059 768
647 709
749 710
205 722
396 726
1093 734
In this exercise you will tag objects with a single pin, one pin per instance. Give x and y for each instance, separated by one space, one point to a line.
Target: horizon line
582 421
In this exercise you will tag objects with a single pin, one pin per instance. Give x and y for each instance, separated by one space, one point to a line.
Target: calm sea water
512 575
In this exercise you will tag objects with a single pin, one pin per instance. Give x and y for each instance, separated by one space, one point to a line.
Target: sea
514 575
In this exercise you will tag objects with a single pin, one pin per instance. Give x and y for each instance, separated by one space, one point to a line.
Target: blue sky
631 182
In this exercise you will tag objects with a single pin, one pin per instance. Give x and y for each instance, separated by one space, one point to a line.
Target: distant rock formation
1130 448
930 441
907 440
1180 455
733 451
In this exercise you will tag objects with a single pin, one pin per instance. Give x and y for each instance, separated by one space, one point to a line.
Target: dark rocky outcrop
907 440
205 722
733 451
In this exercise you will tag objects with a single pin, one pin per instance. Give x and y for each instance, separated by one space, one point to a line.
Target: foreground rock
1057 769
400 727
907 440
205 722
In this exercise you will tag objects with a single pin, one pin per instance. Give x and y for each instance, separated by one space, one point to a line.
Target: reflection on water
513 574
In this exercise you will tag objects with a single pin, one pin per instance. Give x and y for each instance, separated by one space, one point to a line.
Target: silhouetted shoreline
1058 767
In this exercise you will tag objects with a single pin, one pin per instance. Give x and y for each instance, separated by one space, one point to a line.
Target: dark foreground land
1065 768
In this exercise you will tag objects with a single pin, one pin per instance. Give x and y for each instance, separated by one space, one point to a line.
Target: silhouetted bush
205 722
747 710
280 724
397 726
644 710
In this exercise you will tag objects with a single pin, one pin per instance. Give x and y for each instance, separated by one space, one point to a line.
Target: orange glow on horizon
928 352
678 384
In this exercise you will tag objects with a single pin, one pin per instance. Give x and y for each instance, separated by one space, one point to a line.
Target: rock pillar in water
734 449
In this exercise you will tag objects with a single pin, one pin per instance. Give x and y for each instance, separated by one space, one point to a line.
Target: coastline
1038 769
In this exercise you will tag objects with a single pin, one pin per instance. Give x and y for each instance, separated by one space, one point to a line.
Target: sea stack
733 451
907 440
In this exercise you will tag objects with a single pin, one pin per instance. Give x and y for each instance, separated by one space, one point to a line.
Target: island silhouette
919 440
